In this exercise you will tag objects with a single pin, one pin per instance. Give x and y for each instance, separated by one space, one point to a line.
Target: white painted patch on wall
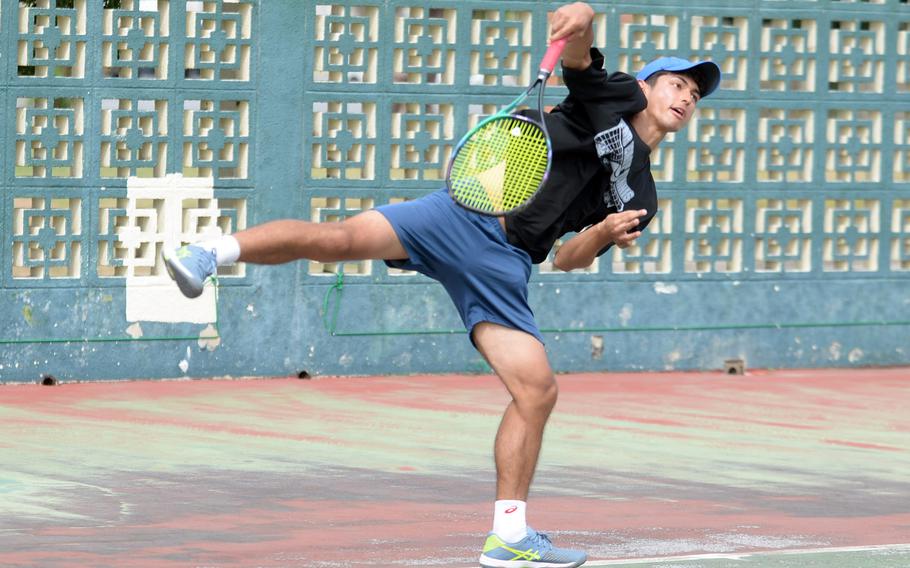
855 355
835 351
664 288
156 298
134 331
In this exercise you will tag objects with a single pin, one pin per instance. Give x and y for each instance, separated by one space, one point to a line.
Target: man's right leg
368 235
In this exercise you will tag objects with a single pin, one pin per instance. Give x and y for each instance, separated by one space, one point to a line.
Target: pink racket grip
551 57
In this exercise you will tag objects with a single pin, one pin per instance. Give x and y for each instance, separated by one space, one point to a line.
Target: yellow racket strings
500 166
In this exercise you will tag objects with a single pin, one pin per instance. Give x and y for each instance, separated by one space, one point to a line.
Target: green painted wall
783 237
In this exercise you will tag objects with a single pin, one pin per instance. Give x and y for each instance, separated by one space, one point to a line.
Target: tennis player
600 187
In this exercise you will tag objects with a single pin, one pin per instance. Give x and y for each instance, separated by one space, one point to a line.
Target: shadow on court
696 470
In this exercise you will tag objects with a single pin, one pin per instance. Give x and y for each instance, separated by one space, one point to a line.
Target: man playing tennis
600 187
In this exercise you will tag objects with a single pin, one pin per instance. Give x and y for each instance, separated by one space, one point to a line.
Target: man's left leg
367 235
520 361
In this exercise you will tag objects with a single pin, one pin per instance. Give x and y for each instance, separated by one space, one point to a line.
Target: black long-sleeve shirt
600 165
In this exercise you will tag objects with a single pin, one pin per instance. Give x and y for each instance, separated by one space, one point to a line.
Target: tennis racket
499 165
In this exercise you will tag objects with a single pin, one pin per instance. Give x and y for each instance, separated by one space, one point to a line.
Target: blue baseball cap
706 73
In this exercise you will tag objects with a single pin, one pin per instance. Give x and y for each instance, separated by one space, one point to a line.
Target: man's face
671 101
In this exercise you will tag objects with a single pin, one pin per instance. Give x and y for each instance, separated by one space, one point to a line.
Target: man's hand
617 226
573 22
581 250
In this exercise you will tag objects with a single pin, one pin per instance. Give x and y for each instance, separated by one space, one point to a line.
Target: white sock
509 522
227 249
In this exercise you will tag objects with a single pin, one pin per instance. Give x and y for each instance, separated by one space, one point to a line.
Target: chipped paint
209 339
671 358
134 330
597 347
666 288
27 315
625 314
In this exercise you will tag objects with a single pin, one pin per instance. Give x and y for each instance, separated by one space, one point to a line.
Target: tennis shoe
190 266
533 551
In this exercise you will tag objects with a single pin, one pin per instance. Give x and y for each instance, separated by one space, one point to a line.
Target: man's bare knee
537 396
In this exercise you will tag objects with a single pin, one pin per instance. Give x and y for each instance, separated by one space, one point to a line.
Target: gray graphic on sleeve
615 148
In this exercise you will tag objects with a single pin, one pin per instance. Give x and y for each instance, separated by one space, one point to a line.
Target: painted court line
747 555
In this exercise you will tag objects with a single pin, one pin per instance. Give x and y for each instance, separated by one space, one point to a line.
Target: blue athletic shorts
486 277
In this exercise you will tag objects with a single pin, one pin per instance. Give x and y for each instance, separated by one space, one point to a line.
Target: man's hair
693 74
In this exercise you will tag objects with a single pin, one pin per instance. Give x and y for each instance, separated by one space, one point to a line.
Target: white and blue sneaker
190 266
533 551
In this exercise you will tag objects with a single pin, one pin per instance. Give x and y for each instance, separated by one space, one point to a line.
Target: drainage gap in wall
735 367
48 381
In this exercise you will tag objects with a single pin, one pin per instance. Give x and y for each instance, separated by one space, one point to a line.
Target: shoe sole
181 276
487 562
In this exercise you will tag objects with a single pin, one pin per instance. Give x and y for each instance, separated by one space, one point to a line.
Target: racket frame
546 69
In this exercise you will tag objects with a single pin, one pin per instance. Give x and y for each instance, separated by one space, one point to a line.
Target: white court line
747 555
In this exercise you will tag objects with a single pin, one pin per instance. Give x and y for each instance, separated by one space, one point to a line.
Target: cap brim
707 70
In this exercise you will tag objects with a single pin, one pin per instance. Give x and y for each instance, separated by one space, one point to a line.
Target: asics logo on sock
511 509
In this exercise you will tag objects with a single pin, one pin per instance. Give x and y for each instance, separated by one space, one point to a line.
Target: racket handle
551 57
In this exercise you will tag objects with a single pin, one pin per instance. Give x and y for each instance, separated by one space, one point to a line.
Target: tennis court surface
790 469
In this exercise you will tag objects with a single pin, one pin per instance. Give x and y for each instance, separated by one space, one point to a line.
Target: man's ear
645 87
